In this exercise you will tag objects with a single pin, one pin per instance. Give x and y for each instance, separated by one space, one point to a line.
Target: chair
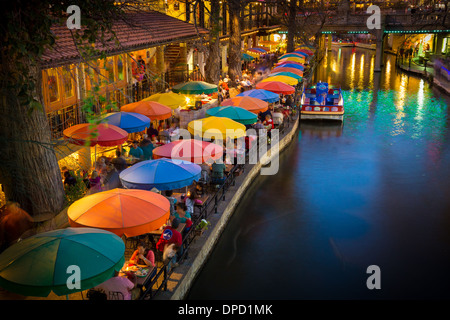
115 295
96 294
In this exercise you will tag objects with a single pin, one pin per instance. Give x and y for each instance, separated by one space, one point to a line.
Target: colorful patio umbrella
162 174
292 59
264 95
288 74
285 79
171 99
237 114
257 50
284 69
128 121
304 54
217 128
304 50
292 54
128 212
291 64
195 151
247 57
41 263
195 87
152 109
103 134
250 103
276 87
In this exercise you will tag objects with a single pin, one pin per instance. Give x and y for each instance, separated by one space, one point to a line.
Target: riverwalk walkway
428 72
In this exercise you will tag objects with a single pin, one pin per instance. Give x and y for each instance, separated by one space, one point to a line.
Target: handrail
210 207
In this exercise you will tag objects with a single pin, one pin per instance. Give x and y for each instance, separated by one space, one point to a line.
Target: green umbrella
57 260
237 114
288 74
195 87
247 57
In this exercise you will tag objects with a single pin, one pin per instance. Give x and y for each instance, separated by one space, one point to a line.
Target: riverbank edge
427 76
184 286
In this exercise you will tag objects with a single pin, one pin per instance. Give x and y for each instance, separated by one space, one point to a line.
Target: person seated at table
69 179
152 131
190 201
170 235
172 201
218 171
135 151
119 161
147 148
163 134
174 130
119 284
143 256
95 183
268 122
184 217
205 172
112 180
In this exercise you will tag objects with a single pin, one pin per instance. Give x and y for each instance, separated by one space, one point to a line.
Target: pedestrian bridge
390 22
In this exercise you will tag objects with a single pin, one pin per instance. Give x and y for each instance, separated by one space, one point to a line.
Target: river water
372 191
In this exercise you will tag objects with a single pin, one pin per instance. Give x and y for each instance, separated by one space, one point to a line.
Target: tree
234 55
29 171
212 68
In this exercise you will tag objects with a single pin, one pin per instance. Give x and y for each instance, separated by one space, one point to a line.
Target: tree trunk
29 171
292 26
212 68
234 56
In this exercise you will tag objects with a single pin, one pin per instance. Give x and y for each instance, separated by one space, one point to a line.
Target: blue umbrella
302 53
128 121
291 65
262 94
162 174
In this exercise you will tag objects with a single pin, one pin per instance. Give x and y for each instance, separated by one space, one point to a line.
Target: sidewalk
429 74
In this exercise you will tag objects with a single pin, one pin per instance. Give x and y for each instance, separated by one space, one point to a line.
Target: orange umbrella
251 104
129 212
103 134
196 151
276 87
152 109
286 69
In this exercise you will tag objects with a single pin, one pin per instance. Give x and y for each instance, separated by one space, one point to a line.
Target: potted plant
201 227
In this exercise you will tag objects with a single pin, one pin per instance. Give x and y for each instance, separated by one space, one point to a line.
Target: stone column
84 158
160 67
379 50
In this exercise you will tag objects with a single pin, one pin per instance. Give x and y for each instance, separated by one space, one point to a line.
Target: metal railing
210 207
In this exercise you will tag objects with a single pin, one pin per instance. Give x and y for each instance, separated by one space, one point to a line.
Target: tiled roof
136 31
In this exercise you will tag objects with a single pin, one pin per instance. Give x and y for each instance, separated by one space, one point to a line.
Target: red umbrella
276 87
196 151
287 69
308 52
103 134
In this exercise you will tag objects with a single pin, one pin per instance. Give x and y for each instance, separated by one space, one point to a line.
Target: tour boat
370 46
343 43
322 102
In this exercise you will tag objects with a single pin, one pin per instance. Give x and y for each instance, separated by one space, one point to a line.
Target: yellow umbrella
285 79
217 128
170 99
300 60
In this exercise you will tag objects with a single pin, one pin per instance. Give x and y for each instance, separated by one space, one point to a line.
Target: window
120 69
69 82
53 85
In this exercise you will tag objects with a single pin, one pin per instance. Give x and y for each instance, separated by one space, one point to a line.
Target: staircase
177 71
